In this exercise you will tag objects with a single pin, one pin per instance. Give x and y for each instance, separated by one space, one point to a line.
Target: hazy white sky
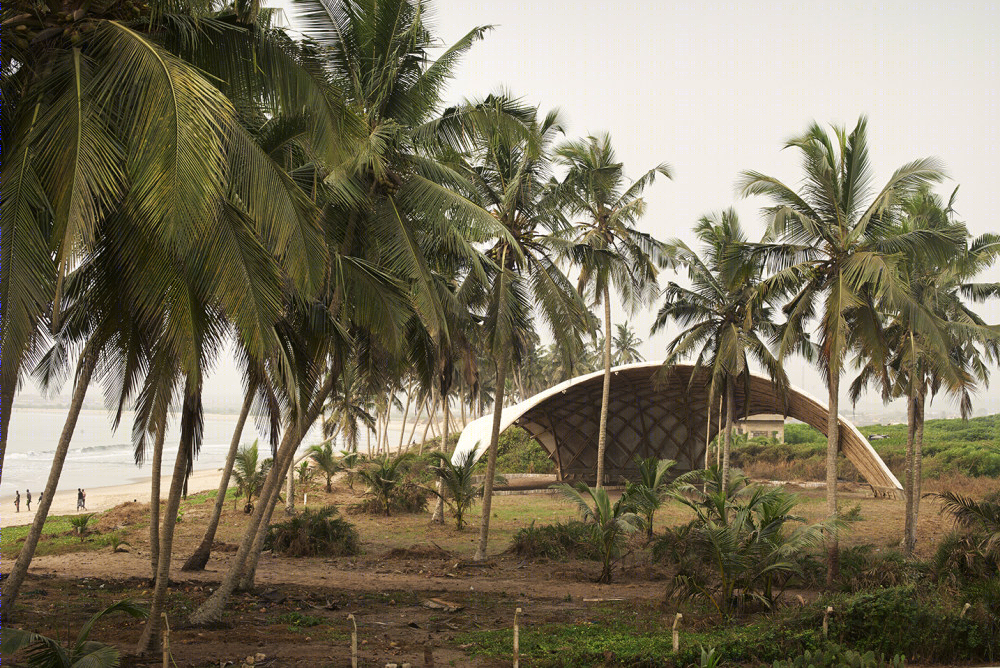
717 87
713 88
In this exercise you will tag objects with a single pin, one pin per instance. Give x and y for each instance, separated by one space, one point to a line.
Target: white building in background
768 425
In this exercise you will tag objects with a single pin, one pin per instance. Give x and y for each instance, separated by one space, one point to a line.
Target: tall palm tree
837 250
509 167
723 315
918 367
605 241
626 345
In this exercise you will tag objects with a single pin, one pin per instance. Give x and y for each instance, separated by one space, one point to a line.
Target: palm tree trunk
438 515
250 568
416 421
12 584
406 415
832 448
918 450
911 433
431 416
154 497
602 434
149 641
491 462
197 561
211 609
290 491
6 405
728 436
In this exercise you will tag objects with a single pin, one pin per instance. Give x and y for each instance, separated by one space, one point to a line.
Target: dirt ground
298 615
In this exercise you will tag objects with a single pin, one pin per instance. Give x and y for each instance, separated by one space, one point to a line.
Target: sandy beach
104 498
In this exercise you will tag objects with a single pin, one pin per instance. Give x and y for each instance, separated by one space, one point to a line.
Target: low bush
314 533
865 567
517 452
835 656
905 620
556 541
406 499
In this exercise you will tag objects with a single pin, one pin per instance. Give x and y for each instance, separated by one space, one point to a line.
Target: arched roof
654 412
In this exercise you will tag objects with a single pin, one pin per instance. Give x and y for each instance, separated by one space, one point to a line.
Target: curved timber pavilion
655 412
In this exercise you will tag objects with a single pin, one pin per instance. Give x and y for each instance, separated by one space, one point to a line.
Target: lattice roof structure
655 412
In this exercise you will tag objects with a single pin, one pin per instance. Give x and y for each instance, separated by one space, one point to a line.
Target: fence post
517 639
826 620
354 642
166 641
965 609
677 632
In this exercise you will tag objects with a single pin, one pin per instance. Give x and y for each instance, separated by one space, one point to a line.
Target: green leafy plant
79 524
314 533
327 463
249 472
44 652
459 489
388 486
835 656
608 522
116 541
647 494
737 550
556 541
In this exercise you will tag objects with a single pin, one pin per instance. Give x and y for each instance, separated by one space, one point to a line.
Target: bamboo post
677 632
517 643
965 609
166 641
354 642
826 620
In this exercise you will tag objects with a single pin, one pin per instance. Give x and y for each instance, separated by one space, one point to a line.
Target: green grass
58 537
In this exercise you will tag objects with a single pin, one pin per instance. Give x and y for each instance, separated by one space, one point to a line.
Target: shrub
901 619
518 452
389 486
79 524
865 567
314 533
556 541
835 656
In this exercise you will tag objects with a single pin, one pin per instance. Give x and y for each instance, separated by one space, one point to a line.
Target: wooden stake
826 620
354 642
166 641
965 609
677 632
517 642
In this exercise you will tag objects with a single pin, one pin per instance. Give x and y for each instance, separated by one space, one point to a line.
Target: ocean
99 456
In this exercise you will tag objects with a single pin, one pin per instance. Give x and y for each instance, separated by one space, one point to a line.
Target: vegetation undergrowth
314 533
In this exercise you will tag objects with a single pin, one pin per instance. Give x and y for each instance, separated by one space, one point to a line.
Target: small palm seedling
79 524
387 482
116 541
314 533
647 495
304 474
458 488
44 652
608 522
981 517
349 460
249 473
327 463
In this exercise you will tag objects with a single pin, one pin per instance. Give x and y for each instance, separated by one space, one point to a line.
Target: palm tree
385 477
606 243
839 254
723 314
609 522
509 168
327 463
457 487
249 473
626 346
916 366
648 492
982 516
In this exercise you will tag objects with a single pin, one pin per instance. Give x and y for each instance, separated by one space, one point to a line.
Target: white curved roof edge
476 435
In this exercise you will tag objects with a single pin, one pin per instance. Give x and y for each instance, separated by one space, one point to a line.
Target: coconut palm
385 478
609 522
648 492
917 367
980 516
838 252
326 462
605 241
249 473
457 488
626 346
509 168
45 652
725 314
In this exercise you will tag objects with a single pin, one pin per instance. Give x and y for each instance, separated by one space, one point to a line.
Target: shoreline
100 499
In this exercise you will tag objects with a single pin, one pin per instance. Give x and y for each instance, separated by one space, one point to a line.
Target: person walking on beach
41 495
83 493
17 501
27 498
79 499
